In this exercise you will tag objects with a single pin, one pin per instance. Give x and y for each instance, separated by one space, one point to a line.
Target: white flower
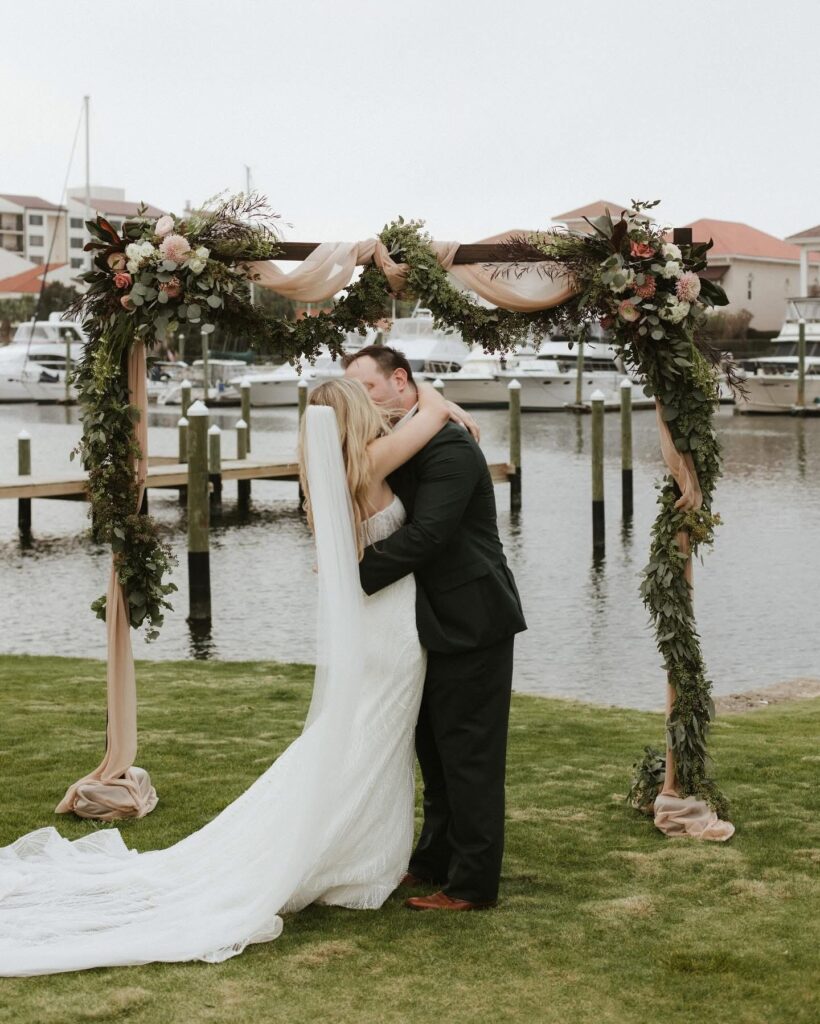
670 251
197 260
671 269
622 280
675 311
137 253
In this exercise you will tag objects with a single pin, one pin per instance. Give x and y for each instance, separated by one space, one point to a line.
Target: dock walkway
167 472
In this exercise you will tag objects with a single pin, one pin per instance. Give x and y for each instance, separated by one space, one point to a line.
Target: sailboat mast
87 102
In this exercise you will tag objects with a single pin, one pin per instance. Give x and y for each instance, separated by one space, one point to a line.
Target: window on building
11 221
116 224
77 243
36 240
35 218
14 243
36 259
76 222
749 286
76 264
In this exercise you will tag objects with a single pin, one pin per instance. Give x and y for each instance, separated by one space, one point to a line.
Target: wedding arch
153 276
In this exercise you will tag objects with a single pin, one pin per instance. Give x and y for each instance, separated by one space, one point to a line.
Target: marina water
756 594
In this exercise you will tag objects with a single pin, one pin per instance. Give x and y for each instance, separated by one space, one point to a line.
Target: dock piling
626 448
598 532
243 487
24 469
302 394
514 392
182 428
245 390
215 466
199 565
185 390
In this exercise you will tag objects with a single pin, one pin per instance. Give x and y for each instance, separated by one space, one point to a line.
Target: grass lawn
602 920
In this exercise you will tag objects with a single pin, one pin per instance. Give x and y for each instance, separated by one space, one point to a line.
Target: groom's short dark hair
388 359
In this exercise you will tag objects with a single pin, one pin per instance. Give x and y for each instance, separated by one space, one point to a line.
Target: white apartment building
111 203
32 228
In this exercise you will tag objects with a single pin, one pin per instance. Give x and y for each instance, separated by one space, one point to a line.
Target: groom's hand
464 419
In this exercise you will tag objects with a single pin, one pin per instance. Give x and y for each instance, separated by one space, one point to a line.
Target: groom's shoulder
452 441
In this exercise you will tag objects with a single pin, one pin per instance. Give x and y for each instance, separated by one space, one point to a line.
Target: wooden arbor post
680 236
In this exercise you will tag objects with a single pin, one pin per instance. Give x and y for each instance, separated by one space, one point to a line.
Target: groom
467 611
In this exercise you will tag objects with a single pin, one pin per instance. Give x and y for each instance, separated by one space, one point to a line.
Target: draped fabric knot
331 265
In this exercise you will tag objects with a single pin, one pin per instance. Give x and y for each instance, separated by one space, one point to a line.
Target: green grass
602 919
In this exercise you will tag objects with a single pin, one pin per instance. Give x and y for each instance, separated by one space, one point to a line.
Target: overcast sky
474 115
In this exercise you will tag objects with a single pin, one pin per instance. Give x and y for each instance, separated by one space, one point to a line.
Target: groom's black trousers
461 743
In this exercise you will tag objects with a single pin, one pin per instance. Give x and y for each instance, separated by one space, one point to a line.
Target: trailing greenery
601 920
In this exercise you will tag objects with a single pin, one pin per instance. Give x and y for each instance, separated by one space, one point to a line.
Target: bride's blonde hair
360 421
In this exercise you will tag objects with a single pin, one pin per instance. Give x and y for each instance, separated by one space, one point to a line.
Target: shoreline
785 692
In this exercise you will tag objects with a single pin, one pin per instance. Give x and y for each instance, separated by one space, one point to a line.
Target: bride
330 821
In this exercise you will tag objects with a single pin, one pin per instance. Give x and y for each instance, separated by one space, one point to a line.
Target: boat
33 364
164 374
222 374
771 382
278 386
548 377
477 381
428 349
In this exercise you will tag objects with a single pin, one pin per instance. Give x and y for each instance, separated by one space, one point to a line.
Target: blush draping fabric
688 816
116 789
329 269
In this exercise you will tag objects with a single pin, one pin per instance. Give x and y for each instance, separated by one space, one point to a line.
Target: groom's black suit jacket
466 597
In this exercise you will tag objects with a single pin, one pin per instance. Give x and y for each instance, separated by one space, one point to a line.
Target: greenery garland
158 274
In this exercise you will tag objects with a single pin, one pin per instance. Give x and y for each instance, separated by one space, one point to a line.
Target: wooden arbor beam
476 253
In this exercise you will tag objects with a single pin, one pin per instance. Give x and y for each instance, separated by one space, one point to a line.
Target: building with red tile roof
29 282
758 271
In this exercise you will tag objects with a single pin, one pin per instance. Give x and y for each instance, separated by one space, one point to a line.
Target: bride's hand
464 419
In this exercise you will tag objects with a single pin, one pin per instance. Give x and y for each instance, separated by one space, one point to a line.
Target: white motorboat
278 386
33 365
428 349
271 388
771 382
548 378
477 382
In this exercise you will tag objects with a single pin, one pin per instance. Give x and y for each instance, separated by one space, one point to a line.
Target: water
756 593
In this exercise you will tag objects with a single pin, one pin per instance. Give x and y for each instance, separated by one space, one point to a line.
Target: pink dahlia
647 289
688 287
641 251
175 247
628 311
172 287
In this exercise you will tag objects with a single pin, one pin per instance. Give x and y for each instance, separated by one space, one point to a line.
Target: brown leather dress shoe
441 901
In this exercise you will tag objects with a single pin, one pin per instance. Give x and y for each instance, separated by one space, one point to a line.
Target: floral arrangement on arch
167 272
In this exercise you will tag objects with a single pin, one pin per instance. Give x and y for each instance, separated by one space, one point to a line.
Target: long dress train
331 820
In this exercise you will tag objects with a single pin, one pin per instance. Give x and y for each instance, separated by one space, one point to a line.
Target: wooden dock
168 472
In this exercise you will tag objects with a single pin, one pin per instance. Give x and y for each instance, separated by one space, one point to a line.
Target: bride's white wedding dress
331 820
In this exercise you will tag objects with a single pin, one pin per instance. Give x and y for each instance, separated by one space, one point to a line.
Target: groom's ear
400 378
